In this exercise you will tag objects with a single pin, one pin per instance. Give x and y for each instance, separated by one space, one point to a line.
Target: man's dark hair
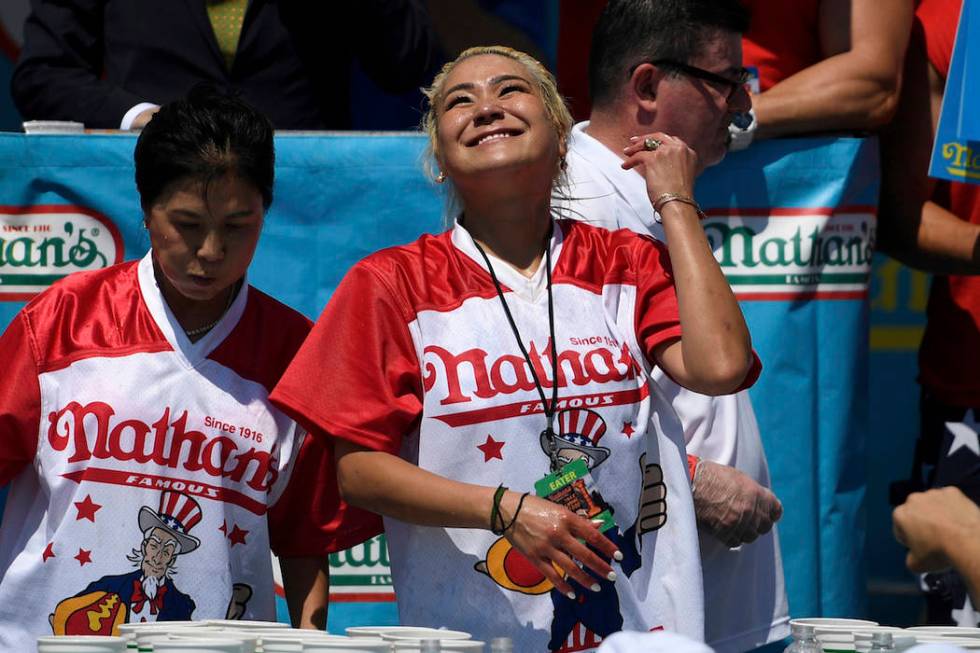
630 32
202 137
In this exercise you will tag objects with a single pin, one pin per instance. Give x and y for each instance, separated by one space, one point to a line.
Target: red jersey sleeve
656 317
310 518
20 399
357 375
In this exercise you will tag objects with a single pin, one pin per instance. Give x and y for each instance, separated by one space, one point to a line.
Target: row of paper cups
854 635
218 636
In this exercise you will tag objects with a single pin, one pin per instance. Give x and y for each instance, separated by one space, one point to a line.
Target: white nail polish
571 595
597 522
611 576
618 556
595 587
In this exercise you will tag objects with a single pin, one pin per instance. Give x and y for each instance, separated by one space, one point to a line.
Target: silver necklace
207 327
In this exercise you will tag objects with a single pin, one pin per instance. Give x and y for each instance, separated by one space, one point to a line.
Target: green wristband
495 511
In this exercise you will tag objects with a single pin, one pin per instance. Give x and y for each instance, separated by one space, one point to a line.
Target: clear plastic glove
732 506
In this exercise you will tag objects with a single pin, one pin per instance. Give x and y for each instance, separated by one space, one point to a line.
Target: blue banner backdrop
793 222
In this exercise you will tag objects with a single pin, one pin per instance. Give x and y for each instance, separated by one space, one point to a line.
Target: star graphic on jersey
965 434
224 528
86 509
84 557
491 449
48 552
628 429
965 617
237 535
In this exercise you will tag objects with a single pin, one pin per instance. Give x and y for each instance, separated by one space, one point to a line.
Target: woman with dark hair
149 473
489 389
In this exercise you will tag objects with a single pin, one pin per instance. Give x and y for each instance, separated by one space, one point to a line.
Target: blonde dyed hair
555 106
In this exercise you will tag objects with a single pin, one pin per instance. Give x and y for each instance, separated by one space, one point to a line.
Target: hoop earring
441 178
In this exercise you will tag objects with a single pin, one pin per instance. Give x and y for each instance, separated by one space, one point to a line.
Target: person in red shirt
823 65
935 226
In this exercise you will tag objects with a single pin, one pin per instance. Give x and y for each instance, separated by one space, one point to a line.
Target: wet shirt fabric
425 366
745 595
145 470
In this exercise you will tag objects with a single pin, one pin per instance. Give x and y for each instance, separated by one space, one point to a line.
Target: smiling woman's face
492 122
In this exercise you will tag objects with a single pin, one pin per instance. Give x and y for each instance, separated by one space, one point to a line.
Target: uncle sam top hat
178 514
580 429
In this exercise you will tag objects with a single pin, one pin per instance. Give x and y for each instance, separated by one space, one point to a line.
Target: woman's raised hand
549 536
667 163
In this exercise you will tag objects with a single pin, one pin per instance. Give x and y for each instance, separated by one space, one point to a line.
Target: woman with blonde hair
488 389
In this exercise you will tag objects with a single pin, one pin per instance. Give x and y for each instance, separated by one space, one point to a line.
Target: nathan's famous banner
793 226
956 151
792 222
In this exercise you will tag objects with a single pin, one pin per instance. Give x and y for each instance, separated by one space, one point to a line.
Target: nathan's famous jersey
423 364
146 469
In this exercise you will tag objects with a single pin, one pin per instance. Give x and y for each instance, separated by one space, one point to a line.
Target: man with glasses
672 69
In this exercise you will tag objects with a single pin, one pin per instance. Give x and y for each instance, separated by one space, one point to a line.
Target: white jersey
423 364
146 469
745 596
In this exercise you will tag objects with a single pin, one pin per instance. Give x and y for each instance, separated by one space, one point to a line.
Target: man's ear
643 86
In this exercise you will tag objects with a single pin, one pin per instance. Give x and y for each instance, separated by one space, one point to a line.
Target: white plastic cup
351 645
451 645
202 645
418 634
81 644
249 641
291 640
237 624
378 631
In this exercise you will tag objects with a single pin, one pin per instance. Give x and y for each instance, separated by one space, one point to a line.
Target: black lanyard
549 410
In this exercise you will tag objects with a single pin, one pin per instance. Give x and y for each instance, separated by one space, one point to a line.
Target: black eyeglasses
733 85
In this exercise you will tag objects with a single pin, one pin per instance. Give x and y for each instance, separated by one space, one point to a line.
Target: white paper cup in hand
81 644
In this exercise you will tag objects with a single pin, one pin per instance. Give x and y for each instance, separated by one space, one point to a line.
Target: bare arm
714 353
856 86
306 582
546 533
911 228
941 528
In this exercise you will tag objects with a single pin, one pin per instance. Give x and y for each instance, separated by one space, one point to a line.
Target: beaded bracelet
663 198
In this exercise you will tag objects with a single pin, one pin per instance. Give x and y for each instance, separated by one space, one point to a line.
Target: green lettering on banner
30 279
805 279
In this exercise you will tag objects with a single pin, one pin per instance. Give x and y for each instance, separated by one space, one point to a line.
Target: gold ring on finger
650 144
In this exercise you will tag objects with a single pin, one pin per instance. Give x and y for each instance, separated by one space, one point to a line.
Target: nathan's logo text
962 160
94 431
469 374
39 245
795 253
